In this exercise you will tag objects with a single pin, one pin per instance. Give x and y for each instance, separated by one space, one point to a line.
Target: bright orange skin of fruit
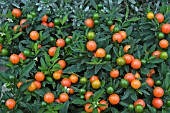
158 92
66 82
136 64
128 58
160 17
117 37
38 84
114 73
130 77
14 58
89 22
91 45
16 12
157 103
57 75
63 97
32 87
44 18
87 109
136 84
51 24
62 63
165 28
163 43
112 27
19 84
74 78
51 51
60 42
39 76
114 99
22 22
49 97
150 82
123 34
10 103
22 56
100 53
34 35
88 94
126 48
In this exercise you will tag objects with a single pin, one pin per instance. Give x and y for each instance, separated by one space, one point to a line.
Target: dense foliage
70 56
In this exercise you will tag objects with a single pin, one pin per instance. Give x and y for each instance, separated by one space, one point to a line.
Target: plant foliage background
128 15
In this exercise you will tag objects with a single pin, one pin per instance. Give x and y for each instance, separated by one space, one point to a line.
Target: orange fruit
158 92
91 45
165 28
66 82
136 64
160 17
62 63
60 42
88 94
32 87
87 108
128 58
44 18
49 97
71 91
38 84
112 27
114 73
34 35
22 56
63 97
19 84
137 75
100 53
51 24
126 48
52 51
39 76
89 22
14 58
74 78
114 99
163 43
117 37
150 82
130 77
57 75
123 34
10 103
157 103
156 53
16 12
44 23
136 84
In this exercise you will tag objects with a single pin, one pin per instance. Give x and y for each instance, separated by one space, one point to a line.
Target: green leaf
108 48
127 12
3 77
17 35
59 106
72 69
95 110
47 59
93 3
129 30
97 68
156 60
166 81
126 94
134 19
79 101
98 94
107 67
152 110
144 71
27 69
49 79
65 18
